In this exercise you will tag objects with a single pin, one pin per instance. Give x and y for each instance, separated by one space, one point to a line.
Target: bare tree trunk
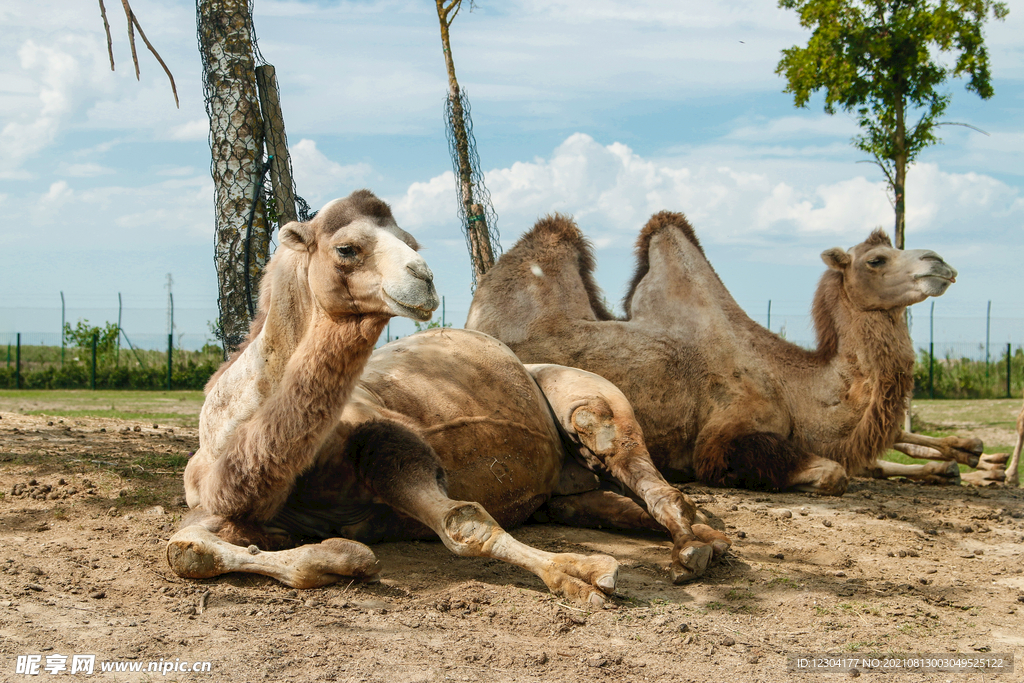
481 250
236 143
900 162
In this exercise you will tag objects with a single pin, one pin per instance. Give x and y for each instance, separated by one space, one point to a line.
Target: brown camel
305 435
720 398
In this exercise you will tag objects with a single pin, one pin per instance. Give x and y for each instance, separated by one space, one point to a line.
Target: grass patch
170 408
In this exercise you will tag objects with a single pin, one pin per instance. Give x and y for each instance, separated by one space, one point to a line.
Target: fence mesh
476 212
246 213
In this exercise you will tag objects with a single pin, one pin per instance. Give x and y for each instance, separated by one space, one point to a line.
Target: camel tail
759 461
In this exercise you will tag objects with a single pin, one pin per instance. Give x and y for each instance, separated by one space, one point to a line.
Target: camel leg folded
938 472
598 416
403 471
195 552
965 451
820 476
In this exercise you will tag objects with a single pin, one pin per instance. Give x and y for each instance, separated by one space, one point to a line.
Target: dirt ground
891 567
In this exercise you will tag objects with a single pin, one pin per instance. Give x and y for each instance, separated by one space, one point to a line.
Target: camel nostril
420 270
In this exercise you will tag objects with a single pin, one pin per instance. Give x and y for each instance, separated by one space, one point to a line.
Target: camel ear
835 258
297 236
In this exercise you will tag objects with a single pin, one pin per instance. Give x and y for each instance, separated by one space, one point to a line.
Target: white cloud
87 170
318 179
612 191
197 129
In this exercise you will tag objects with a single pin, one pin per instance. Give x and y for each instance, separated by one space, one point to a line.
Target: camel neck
872 353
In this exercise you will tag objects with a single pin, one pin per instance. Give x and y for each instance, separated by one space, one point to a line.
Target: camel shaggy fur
720 398
305 434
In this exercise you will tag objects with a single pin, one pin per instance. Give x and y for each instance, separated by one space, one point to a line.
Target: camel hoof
192 554
691 563
608 581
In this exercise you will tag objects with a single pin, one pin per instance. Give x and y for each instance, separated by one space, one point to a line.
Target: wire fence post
769 325
1008 368
62 324
931 353
95 341
170 348
988 330
17 364
442 312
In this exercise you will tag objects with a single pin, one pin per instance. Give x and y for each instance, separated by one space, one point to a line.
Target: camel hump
549 271
661 221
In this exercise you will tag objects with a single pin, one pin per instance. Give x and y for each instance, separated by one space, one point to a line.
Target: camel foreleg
597 415
937 472
197 552
1012 477
964 450
403 471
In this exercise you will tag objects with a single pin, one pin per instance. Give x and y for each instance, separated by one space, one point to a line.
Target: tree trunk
236 143
481 251
900 162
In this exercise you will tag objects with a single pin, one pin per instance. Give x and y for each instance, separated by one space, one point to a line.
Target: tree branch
965 125
131 36
156 54
106 28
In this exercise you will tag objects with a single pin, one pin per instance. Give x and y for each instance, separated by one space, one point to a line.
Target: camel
721 399
1012 476
307 433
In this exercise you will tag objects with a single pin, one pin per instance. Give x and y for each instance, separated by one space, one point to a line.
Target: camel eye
876 262
346 251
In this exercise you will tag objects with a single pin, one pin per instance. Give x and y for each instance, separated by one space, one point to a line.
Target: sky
607 110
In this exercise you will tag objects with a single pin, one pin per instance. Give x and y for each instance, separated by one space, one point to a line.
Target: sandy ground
891 567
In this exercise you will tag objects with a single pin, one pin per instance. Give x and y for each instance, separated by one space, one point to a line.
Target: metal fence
986 358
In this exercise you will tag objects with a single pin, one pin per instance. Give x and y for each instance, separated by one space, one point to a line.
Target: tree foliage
886 62
82 334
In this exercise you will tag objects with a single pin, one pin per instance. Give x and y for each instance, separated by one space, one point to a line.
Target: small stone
537 659
34 587
931 571
35 570
734 508
827 522
840 573
684 627
136 428
292 594
968 529
112 512
728 641
854 673
688 639
779 556
253 550
979 551
61 482
924 581
156 510
32 482
103 429
865 494
156 426
890 554
784 513
901 553
596 662
741 534
97 595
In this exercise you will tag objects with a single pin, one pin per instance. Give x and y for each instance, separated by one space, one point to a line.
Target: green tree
82 334
886 61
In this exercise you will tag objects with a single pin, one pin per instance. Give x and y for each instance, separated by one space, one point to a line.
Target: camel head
360 262
878 277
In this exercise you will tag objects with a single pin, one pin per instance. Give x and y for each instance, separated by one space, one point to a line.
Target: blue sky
606 110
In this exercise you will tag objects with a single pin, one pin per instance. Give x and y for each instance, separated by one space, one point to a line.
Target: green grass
170 408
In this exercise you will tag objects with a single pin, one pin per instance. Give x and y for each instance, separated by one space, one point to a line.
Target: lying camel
304 434
720 398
